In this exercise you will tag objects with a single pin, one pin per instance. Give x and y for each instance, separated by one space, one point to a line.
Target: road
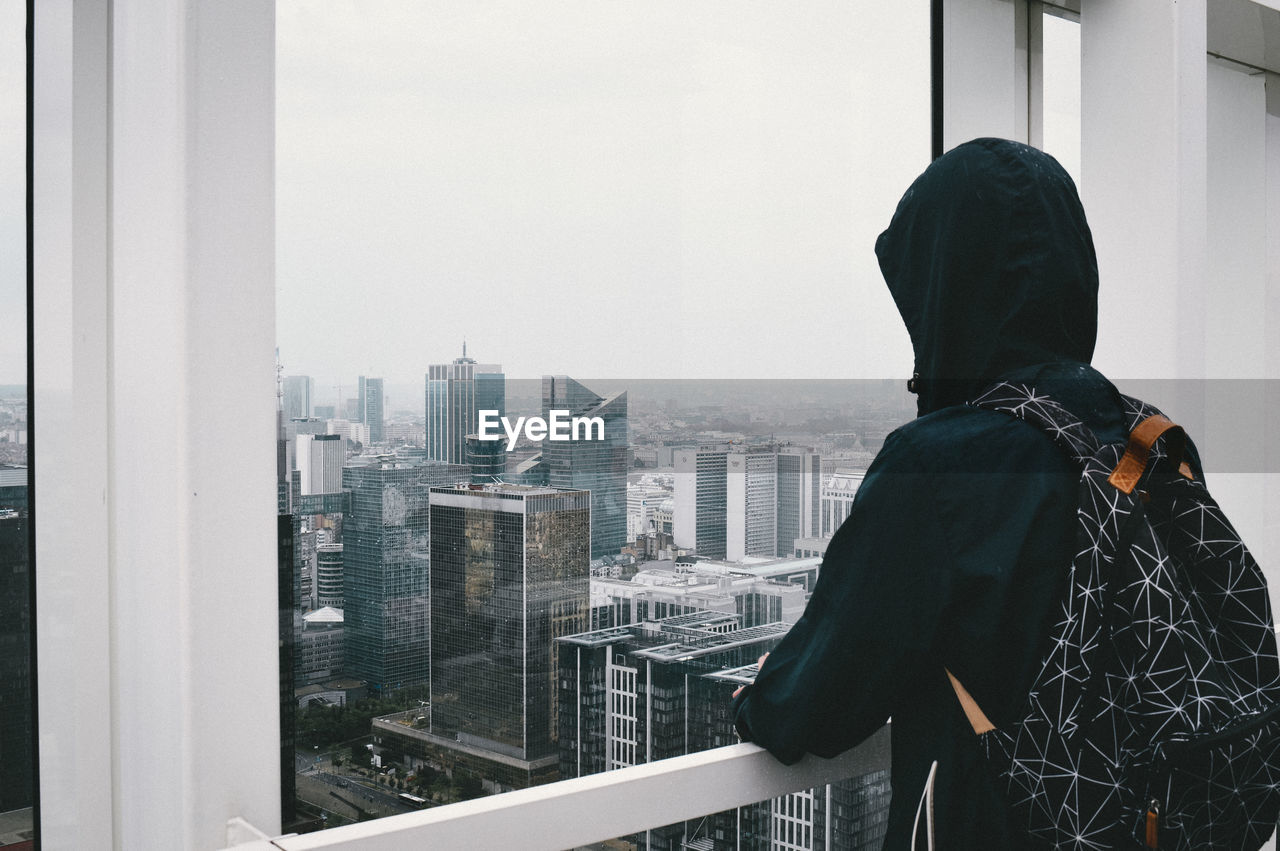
315 783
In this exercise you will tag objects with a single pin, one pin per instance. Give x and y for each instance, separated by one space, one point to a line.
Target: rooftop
680 638
326 614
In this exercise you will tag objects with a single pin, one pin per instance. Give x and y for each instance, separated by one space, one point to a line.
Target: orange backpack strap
977 718
1134 462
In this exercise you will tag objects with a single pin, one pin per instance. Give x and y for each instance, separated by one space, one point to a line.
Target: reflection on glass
509 574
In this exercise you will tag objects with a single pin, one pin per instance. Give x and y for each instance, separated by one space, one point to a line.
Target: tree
469 786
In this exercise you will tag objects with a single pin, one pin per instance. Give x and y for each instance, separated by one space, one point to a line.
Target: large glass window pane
1061 43
657 217
17 739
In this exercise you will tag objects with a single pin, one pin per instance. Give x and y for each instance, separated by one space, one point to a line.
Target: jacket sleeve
867 631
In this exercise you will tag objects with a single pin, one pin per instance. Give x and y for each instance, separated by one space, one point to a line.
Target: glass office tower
385 570
372 407
299 390
455 394
510 573
599 466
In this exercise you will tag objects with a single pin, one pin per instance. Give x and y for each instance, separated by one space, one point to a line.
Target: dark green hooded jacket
957 547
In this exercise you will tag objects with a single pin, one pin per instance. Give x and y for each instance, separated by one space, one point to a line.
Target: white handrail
600 806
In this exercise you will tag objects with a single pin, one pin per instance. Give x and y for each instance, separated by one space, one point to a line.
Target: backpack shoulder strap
1141 440
1022 401
1146 425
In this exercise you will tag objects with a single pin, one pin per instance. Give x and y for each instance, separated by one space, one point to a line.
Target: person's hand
759 665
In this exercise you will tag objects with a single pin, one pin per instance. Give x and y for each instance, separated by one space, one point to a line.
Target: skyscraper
799 496
320 459
487 459
455 393
599 466
509 574
625 697
372 406
299 396
385 570
698 521
329 575
286 603
838 493
637 693
751 503
736 501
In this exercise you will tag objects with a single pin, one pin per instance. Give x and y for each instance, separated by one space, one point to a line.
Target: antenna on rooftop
279 380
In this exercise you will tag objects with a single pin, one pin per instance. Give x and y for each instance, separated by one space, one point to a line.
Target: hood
992 266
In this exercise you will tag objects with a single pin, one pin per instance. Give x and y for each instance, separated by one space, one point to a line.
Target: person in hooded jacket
961 534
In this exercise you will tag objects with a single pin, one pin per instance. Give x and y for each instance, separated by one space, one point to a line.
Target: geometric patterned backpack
1155 719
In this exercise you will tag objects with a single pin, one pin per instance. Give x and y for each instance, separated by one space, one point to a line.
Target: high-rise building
643 500
622 688
318 647
320 460
648 691
837 499
329 575
736 502
286 603
624 695
599 466
455 394
751 503
486 458
385 570
799 496
305 425
509 574
299 396
698 521
372 408
850 813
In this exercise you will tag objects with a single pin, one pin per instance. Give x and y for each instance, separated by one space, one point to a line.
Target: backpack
1155 719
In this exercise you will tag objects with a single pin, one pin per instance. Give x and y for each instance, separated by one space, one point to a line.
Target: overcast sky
13 169
658 189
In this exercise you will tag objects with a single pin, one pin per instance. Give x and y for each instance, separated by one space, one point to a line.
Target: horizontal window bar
600 806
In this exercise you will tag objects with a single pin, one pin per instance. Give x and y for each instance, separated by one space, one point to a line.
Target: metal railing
596 807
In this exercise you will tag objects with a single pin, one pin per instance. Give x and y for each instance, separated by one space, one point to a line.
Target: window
17 674
131 349
663 217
